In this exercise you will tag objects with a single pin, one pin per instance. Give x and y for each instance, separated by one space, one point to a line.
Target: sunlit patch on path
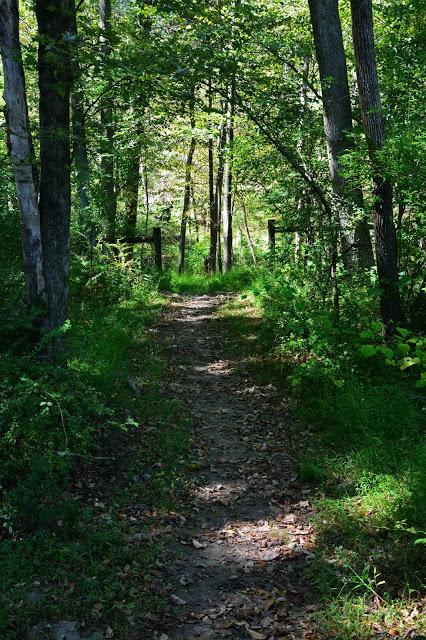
238 566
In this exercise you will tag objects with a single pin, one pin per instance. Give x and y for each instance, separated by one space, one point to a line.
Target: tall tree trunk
108 194
219 194
212 200
80 155
21 149
146 194
227 179
55 80
186 197
194 213
132 196
301 205
79 140
337 112
374 128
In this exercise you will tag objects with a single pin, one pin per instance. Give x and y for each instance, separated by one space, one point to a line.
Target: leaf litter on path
241 568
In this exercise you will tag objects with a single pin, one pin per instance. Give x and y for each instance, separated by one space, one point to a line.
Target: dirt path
238 567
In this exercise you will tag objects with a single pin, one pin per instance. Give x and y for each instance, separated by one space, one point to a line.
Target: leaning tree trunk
212 201
227 180
108 193
374 128
186 198
21 149
337 113
55 80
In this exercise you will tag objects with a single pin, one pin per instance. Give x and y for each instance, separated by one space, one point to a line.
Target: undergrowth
91 452
236 280
359 401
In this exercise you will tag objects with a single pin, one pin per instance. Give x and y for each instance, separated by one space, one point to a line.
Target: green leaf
368 350
403 332
388 353
403 347
408 362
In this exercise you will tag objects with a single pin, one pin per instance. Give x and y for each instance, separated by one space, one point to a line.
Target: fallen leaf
177 600
255 635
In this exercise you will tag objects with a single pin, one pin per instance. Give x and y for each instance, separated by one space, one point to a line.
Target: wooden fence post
156 238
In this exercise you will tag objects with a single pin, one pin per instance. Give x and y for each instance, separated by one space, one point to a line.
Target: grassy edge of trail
364 459
101 468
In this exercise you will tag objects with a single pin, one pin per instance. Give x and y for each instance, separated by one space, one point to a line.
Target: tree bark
219 194
21 150
55 80
132 195
374 128
108 194
212 200
80 155
337 112
301 205
146 194
227 179
247 232
186 197
79 140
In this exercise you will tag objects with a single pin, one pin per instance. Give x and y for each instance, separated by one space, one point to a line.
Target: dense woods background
205 121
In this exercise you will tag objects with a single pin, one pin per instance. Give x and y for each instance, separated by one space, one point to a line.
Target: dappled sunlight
248 542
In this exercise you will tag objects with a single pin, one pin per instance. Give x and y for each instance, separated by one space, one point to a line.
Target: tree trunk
301 205
219 194
55 80
337 113
194 213
374 128
247 232
212 199
146 193
186 197
79 141
108 194
227 180
80 156
21 149
132 196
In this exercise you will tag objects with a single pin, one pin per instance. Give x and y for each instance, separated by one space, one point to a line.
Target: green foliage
238 279
364 455
61 425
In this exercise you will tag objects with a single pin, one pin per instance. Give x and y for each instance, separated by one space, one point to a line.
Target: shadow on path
239 564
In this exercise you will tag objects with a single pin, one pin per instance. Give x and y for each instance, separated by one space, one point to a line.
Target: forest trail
239 562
